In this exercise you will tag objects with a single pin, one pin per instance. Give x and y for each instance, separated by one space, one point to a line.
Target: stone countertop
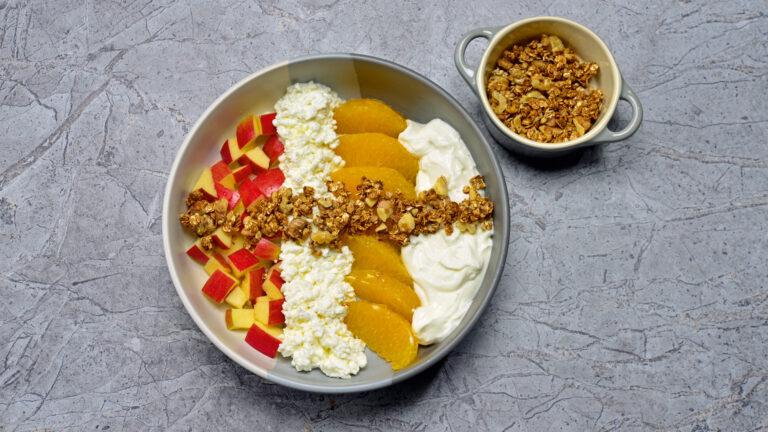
634 296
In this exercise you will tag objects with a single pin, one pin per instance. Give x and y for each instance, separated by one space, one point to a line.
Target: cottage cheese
447 270
315 335
305 123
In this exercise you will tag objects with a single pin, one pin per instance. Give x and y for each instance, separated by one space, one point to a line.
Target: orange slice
393 181
385 332
370 253
379 150
377 287
368 115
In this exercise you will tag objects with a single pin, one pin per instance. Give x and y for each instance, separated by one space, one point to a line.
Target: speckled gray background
634 297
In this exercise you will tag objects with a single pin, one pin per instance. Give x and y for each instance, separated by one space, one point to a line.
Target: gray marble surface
634 297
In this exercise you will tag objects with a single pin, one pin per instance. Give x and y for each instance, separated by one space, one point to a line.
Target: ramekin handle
607 135
465 70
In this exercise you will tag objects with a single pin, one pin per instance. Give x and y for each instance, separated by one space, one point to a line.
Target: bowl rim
501 234
594 131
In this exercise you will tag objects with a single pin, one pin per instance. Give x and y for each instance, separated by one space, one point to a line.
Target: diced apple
217 262
237 298
256 158
218 286
232 196
270 180
219 170
198 253
221 239
273 283
247 130
269 311
230 150
206 185
266 250
239 319
241 173
242 260
253 283
228 181
264 339
249 192
273 148
267 126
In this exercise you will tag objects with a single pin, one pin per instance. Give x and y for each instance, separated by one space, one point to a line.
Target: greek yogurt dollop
447 270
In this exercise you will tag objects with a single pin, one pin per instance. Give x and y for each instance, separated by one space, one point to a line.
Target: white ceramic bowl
350 76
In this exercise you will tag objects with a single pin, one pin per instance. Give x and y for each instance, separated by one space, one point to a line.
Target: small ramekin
587 45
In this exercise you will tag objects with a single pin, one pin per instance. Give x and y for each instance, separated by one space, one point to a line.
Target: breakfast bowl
351 76
586 45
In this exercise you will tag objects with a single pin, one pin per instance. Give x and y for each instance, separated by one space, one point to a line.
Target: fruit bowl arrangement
233 285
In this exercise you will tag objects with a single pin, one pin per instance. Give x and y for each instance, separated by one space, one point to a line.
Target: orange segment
385 332
370 253
377 287
368 115
379 150
393 180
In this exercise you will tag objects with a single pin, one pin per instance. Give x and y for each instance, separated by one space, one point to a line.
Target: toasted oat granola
541 91
326 220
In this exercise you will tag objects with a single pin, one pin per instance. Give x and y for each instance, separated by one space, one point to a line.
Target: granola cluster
541 91
326 220
202 216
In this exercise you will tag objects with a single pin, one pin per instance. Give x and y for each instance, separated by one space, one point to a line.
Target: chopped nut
384 209
370 202
321 237
441 186
406 223
381 227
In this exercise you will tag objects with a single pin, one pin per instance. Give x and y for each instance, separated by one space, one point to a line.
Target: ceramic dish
350 76
587 45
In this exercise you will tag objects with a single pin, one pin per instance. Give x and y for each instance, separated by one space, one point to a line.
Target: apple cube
247 130
253 283
217 262
242 260
221 239
273 148
249 192
241 173
266 121
198 253
270 180
266 250
232 196
239 319
219 170
237 298
269 311
230 150
218 286
264 339
273 283
206 185
256 158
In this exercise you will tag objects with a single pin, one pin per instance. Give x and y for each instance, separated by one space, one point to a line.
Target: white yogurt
447 270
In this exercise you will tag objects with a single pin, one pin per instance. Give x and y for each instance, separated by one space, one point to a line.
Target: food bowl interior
586 45
350 76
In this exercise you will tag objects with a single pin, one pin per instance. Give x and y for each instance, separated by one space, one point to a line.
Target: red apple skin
266 250
273 148
243 259
230 150
267 128
242 173
246 131
255 283
249 192
275 314
220 170
275 277
220 239
262 341
198 254
218 286
256 158
270 180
